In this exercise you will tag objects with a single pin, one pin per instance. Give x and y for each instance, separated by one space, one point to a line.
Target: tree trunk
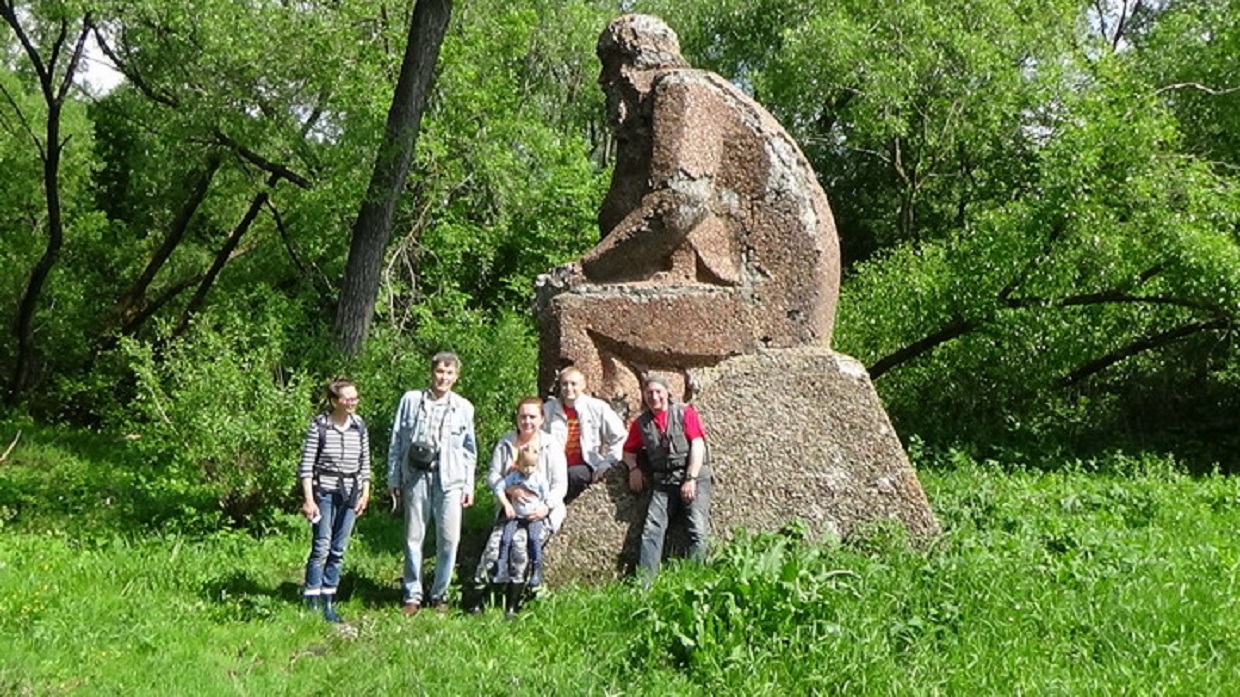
55 89
373 227
221 259
133 303
23 326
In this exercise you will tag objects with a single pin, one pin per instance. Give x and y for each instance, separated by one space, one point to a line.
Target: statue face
623 92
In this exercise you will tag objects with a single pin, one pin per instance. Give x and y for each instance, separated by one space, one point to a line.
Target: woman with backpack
334 475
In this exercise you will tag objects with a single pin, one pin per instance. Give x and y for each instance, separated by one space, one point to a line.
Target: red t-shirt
693 428
572 447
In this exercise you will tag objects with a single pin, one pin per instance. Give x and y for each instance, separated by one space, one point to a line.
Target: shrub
219 416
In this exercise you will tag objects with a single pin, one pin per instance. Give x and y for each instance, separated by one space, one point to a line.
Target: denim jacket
602 431
458 447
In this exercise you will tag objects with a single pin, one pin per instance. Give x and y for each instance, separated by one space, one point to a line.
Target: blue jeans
424 500
534 535
330 540
665 506
518 560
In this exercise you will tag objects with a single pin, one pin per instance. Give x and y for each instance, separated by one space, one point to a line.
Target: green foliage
1038 221
761 593
1104 258
498 357
219 417
66 308
1101 577
506 187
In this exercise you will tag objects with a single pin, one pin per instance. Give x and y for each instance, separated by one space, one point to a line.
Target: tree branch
284 237
1106 297
21 116
9 449
1212 91
224 256
131 74
954 329
148 311
9 12
130 302
75 58
1148 343
275 169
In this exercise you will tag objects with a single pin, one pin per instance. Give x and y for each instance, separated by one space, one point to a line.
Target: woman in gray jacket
527 434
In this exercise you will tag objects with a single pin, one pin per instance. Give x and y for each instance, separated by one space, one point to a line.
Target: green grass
1113 579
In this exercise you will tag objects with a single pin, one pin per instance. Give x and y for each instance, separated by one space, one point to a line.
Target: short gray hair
658 380
446 358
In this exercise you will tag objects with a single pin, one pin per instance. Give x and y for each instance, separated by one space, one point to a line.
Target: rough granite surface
794 434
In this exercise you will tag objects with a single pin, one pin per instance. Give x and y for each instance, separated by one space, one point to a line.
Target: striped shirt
345 455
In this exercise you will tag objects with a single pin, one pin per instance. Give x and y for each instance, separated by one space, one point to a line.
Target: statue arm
685 156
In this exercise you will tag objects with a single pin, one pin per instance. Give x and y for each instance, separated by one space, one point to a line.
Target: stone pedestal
794 434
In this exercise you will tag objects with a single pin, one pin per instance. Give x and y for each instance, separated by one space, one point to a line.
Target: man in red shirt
591 432
674 443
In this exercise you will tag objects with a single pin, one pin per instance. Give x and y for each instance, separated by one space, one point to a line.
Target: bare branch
9 12
284 237
21 116
132 75
9 449
1212 91
131 301
224 255
148 311
956 328
1122 24
75 58
1106 298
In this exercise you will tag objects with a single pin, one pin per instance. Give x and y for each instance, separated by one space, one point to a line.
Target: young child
525 475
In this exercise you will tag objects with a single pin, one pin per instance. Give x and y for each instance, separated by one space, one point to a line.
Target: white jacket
602 431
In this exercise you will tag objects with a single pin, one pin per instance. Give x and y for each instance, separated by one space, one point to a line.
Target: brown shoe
410 609
439 605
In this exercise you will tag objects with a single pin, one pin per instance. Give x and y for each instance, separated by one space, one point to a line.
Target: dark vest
667 453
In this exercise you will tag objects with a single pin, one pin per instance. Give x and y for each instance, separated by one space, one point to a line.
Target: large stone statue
716 238
719 265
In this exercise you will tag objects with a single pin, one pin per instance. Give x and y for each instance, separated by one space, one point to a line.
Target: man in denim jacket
435 478
591 431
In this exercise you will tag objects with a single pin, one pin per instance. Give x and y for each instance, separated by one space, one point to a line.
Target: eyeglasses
349 400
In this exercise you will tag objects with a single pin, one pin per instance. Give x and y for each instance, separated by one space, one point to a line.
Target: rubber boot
329 611
312 603
499 572
535 575
479 596
513 597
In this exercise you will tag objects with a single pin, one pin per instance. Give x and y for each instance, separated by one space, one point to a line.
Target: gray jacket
458 446
550 465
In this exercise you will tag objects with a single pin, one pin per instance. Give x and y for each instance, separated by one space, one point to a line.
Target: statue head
631 48
642 42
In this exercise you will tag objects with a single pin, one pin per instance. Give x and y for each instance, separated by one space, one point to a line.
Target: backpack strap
320 423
